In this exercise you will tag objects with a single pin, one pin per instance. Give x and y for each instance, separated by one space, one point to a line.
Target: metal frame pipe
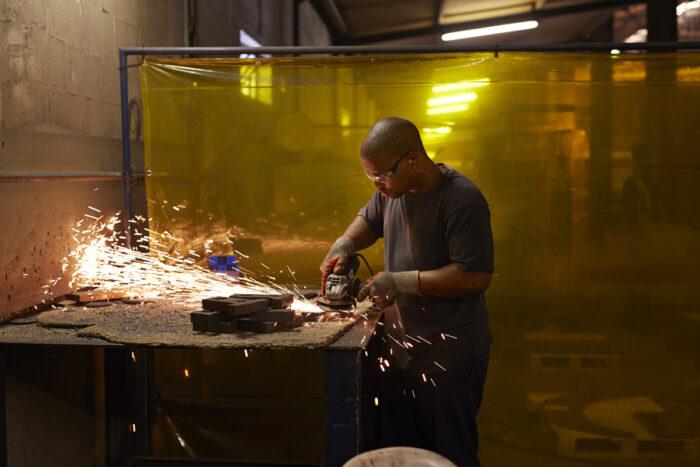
408 49
126 143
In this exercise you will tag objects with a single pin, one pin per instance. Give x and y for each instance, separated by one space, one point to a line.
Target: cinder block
25 12
108 77
45 61
116 8
99 30
126 34
66 21
68 113
25 107
104 119
13 44
81 76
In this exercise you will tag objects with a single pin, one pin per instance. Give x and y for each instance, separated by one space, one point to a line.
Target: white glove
383 288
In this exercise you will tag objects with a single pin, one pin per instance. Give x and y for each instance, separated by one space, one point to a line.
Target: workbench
349 368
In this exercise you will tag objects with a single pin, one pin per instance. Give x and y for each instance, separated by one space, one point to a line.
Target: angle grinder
341 289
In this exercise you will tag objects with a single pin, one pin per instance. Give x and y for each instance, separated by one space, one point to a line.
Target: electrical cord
366 263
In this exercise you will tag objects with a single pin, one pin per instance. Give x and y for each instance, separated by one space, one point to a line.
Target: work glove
384 287
336 259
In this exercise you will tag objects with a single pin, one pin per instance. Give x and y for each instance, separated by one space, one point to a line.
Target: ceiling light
488 31
615 52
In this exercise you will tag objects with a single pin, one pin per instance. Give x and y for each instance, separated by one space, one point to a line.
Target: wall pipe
28 177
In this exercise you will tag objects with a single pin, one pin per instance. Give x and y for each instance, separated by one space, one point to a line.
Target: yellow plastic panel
590 166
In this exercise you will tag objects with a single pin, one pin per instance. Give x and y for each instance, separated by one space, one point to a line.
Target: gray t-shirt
450 223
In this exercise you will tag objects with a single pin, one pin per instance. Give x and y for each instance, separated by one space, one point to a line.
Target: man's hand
336 259
384 287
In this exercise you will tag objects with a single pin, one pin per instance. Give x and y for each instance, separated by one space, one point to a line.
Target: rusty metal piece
94 295
63 303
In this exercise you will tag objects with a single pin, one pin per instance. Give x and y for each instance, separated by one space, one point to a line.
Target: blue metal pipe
399 49
126 143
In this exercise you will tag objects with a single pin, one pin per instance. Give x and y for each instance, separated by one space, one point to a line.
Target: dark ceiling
361 22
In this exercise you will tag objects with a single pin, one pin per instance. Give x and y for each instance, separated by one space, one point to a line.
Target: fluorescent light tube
488 31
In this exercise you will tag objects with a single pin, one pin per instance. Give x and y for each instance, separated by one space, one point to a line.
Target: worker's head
393 156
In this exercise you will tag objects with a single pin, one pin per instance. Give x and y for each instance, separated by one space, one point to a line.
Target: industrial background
60 113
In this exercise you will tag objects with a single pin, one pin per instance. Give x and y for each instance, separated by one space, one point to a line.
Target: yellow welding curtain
589 162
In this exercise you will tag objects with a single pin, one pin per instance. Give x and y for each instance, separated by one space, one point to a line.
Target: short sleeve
469 238
373 214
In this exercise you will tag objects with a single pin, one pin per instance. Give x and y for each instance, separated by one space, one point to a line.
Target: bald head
389 138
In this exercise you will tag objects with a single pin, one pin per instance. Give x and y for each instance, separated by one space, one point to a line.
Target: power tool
341 289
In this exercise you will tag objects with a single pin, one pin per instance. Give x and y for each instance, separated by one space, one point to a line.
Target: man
438 261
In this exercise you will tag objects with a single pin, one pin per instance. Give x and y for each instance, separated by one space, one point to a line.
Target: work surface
158 323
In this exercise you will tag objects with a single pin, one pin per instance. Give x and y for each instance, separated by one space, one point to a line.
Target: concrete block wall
60 111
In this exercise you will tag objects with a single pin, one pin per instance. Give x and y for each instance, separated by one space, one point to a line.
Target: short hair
392 135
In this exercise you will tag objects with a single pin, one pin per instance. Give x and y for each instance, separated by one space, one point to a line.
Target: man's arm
360 233
447 281
450 281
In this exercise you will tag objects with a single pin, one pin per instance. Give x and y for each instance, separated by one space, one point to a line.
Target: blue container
224 264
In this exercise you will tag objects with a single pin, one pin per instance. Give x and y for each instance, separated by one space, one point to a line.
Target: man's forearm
449 281
360 233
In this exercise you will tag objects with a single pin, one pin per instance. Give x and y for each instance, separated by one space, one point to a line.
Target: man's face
389 173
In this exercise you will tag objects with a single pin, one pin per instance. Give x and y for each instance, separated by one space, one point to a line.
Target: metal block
203 327
275 300
263 327
246 324
273 315
234 306
206 317
225 327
